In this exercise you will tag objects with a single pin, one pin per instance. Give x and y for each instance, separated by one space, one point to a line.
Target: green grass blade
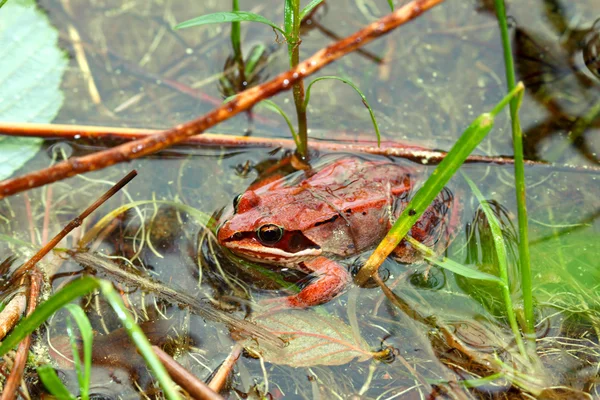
309 7
87 337
467 142
391 3
53 383
139 339
70 292
275 108
223 17
502 256
360 93
451 265
517 136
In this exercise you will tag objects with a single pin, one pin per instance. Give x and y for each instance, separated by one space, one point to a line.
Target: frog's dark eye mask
270 235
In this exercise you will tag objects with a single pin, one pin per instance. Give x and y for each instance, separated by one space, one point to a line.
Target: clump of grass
517 136
293 15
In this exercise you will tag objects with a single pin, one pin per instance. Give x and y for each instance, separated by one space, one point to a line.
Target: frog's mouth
292 247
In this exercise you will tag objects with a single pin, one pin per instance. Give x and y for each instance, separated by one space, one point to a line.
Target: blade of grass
360 93
53 383
87 337
138 337
391 3
500 247
45 310
275 108
222 17
451 265
309 7
467 142
517 136
75 290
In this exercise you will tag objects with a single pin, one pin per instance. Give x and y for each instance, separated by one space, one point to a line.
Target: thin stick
387 148
190 383
74 223
217 383
16 373
244 101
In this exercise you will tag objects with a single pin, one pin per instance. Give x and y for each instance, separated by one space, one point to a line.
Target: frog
313 220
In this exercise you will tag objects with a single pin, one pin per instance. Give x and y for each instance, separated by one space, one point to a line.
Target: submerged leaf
31 68
311 339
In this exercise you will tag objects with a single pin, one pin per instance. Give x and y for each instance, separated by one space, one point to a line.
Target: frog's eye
236 201
269 234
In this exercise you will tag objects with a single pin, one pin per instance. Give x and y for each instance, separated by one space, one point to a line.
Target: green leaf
87 336
31 69
309 7
311 338
221 17
362 96
53 383
391 3
2 2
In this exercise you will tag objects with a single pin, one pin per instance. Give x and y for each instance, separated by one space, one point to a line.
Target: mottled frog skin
347 205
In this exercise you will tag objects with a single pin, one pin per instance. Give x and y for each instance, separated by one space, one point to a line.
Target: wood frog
344 206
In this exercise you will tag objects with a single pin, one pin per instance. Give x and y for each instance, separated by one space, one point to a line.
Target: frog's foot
331 279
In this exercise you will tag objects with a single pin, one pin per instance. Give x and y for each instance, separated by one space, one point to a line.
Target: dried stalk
16 373
244 101
190 383
387 148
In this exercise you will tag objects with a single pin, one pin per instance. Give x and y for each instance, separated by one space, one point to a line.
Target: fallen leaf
311 339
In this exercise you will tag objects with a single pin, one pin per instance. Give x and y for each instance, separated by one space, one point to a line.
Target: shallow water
441 71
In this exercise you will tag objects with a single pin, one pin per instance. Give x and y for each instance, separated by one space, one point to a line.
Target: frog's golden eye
269 234
236 201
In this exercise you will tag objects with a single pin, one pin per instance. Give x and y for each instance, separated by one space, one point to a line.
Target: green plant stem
517 136
236 42
292 27
500 248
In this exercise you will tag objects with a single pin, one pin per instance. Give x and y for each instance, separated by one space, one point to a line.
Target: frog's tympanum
345 207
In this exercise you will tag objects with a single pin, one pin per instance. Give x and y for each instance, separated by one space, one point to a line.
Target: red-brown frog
348 204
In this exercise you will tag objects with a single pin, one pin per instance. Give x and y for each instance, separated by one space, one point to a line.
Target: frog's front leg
331 279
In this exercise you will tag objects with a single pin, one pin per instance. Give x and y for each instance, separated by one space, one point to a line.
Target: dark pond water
440 72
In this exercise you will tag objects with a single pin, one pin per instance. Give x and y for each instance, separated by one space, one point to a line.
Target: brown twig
217 383
387 148
190 383
72 225
16 373
11 314
244 101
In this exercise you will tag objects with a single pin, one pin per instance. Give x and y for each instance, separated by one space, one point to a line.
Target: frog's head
262 228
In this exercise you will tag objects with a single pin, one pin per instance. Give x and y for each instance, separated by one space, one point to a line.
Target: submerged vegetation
510 310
